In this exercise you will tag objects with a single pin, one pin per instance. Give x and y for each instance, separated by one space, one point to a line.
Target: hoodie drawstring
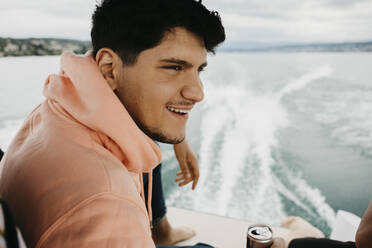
149 195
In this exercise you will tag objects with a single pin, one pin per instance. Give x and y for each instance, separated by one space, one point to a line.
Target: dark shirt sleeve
319 243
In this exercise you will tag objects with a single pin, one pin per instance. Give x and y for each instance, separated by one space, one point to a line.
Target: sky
244 20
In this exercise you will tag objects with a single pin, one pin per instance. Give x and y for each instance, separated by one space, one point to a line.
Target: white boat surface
221 232
218 231
224 232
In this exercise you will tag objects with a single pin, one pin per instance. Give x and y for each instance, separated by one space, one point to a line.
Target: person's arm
363 237
188 164
301 234
319 243
106 220
298 228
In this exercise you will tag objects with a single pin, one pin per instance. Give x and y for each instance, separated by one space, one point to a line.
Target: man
72 176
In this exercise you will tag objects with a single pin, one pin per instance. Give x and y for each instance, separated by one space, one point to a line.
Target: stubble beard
154 133
158 135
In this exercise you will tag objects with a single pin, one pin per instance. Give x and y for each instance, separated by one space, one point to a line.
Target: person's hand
299 228
278 243
188 164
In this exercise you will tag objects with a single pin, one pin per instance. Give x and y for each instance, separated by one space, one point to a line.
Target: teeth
180 111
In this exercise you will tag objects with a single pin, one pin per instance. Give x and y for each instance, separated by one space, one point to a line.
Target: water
277 135
280 135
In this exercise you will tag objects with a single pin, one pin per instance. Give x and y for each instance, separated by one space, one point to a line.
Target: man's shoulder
52 178
65 167
52 148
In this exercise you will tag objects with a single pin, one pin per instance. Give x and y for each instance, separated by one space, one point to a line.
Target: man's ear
109 64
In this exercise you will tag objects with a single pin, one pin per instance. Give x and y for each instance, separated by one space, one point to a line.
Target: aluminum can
259 236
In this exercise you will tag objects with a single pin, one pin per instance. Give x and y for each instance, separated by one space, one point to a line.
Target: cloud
292 20
41 18
254 20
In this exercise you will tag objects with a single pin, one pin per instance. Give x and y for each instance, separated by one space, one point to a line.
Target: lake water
278 134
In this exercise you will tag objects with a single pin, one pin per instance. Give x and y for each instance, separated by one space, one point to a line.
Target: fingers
188 173
183 178
184 182
278 243
188 163
195 175
286 223
299 228
193 167
191 174
183 166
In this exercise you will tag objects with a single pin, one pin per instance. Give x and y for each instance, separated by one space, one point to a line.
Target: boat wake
242 172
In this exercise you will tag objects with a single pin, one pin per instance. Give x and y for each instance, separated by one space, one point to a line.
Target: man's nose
193 89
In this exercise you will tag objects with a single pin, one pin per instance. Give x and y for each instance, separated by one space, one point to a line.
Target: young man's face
163 85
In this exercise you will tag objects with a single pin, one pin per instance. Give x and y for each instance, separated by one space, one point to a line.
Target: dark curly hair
130 26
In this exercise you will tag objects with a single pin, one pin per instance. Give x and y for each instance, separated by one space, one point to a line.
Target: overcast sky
244 20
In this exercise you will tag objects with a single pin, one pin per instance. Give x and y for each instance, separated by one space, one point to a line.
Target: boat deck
215 230
221 232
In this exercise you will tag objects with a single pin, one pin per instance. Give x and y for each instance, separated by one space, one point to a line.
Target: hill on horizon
55 46
41 46
362 46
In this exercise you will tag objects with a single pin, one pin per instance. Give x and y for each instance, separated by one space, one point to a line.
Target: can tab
262 231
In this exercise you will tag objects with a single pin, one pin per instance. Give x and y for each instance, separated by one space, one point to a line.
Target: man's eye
173 67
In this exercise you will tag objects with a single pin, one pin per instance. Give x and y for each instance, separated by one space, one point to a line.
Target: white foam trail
300 83
212 126
245 124
316 198
250 122
306 192
352 112
255 124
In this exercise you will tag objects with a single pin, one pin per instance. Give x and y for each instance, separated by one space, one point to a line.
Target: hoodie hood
82 91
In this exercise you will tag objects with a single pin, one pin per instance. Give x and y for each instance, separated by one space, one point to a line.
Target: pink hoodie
72 176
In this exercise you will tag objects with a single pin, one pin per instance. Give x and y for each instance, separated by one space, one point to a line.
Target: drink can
259 236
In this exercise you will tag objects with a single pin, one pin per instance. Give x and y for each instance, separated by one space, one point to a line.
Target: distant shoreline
297 47
41 47
50 46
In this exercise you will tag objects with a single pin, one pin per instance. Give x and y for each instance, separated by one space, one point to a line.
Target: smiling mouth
178 111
